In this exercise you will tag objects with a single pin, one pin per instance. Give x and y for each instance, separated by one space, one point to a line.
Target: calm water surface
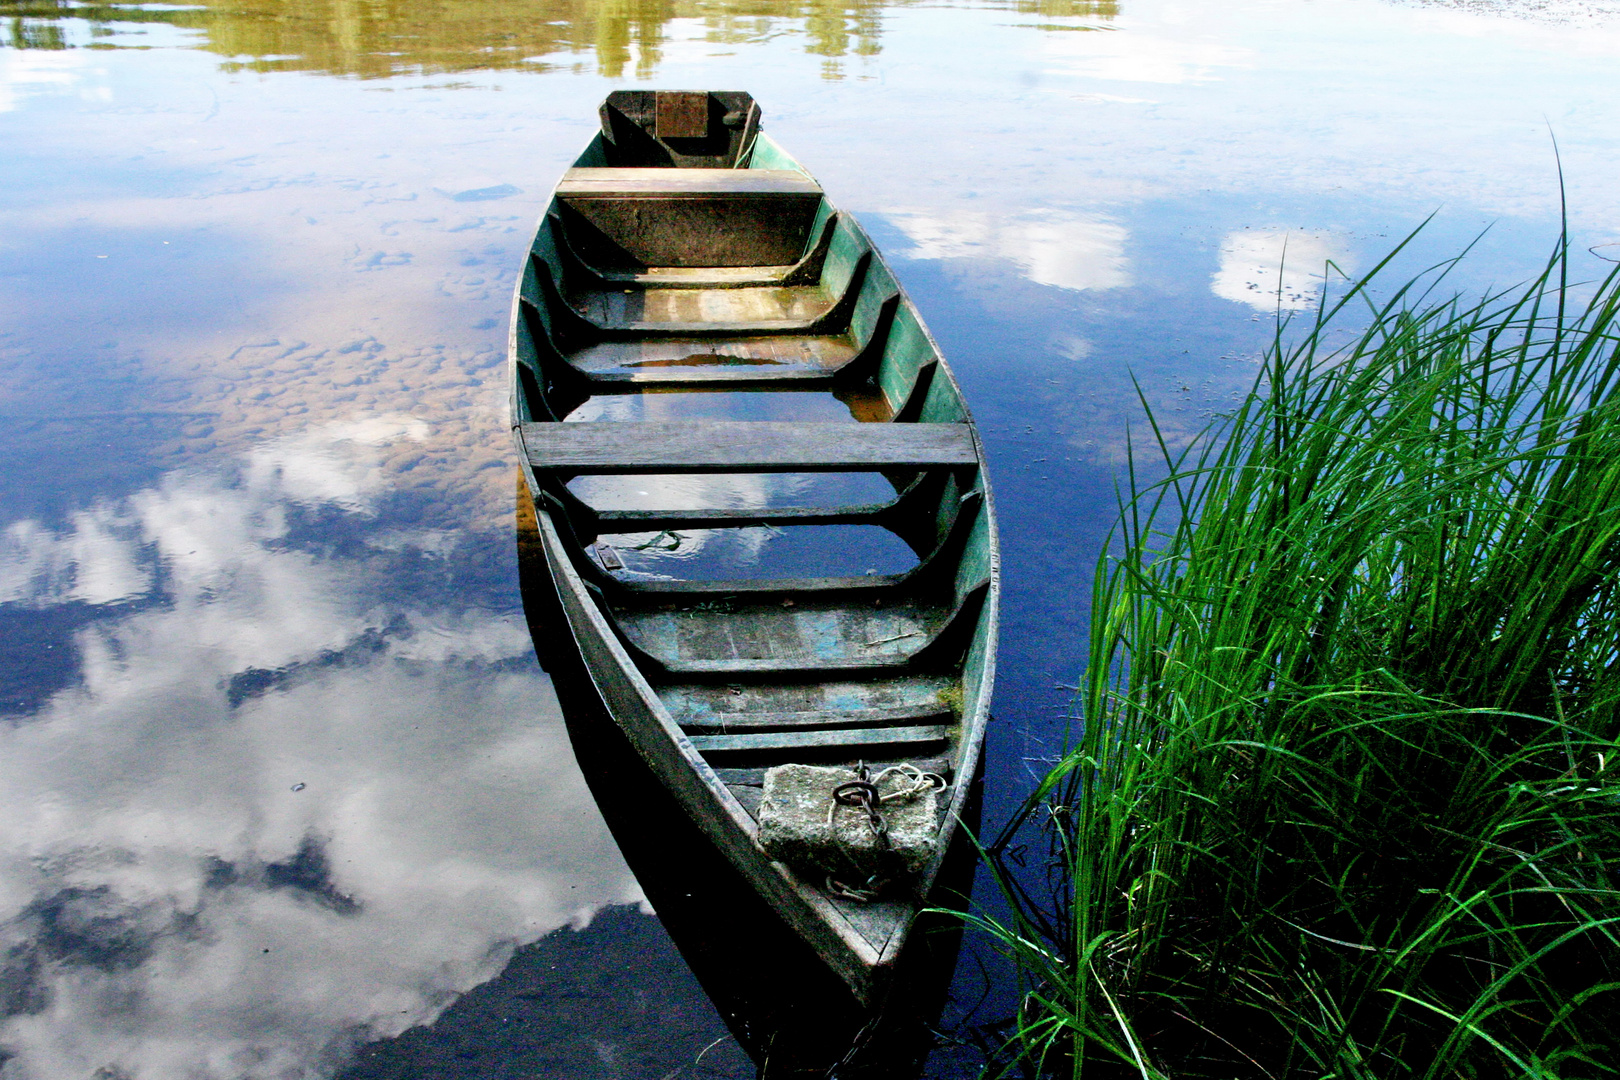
284 792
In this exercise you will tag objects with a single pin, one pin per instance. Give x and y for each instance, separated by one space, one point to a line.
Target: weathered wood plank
681 114
730 376
726 723
699 277
744 446
806 271
684 183
618 309
697 328
636 218
645 520
799 740
749 796
682 359
834 321
789 668
754 588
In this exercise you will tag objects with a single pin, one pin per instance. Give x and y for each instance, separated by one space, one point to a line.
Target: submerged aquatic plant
1345 797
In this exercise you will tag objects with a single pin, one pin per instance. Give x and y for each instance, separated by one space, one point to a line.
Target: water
285 791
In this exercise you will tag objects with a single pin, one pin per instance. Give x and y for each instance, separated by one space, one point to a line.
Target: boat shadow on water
792 1015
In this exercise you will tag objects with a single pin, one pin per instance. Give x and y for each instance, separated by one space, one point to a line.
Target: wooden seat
807 271
632 219
744 446
685 183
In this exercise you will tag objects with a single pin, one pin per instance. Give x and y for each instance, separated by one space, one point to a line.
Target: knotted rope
865 793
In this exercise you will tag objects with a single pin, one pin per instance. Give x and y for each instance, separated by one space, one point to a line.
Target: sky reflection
280 810
1049 247
256 520
1276 269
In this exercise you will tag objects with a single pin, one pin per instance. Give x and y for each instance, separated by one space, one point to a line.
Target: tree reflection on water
372 39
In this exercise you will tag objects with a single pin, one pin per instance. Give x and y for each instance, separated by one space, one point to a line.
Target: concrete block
794 827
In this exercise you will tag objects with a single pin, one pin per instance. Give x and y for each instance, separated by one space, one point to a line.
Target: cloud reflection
279 814
1145 57
1051 247
1278 268
24 72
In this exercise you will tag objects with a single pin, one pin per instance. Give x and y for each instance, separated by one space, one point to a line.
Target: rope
865 894
864 793
920 782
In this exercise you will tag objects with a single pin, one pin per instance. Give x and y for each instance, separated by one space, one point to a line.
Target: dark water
285 793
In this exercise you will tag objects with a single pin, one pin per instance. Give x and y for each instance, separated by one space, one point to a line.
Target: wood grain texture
744 446
616 308
688 359
681 114
798 740
790 668
728 723
686 183
650 520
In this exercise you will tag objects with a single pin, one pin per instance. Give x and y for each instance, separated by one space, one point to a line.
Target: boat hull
714 681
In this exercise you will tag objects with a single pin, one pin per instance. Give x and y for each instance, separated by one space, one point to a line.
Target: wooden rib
912 407
625 447
798 740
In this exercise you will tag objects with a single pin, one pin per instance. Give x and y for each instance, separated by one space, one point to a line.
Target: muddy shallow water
285 793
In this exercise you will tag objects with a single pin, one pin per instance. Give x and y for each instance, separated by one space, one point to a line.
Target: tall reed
1345 797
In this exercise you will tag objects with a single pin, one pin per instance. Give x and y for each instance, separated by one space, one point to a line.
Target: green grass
1345 795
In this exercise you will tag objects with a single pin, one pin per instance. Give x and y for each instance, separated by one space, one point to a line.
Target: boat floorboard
687 358
819 719
761 742
705 706
637 308
805 633
699 277
750 796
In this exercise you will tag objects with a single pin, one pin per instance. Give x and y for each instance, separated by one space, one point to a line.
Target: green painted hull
662 267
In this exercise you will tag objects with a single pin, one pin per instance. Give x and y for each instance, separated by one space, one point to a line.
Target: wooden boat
688 268
809 1025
